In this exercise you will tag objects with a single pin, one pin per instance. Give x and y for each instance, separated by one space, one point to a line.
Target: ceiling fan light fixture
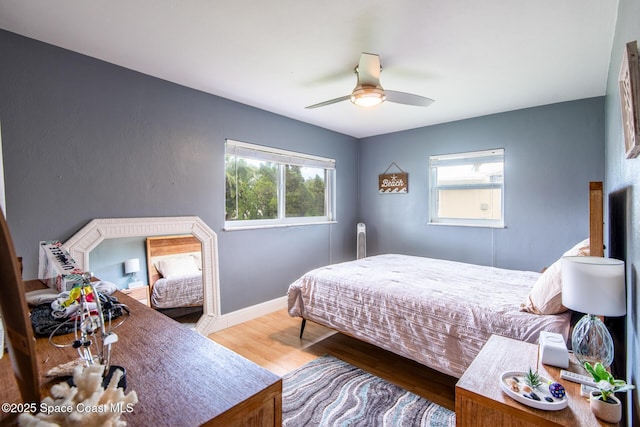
367 96
368 91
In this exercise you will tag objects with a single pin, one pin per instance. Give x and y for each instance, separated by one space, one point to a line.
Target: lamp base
592 342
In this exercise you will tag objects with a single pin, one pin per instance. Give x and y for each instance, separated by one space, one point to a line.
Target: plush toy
76 293
68 303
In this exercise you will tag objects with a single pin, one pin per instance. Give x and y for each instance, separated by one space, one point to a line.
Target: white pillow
581 249
546 295
176 266
197 256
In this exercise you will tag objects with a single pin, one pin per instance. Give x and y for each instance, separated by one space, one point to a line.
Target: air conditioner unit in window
361 241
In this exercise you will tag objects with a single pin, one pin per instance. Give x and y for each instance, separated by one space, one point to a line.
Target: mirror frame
84 241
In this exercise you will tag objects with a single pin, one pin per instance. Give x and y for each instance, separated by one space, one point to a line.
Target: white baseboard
246 314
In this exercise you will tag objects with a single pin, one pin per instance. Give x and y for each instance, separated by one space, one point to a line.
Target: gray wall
551 154
107 259
623 177
85 139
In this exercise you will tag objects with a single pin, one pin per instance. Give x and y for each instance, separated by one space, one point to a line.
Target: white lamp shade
594 285
132 265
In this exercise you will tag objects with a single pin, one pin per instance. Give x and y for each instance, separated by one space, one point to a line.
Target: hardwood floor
273 342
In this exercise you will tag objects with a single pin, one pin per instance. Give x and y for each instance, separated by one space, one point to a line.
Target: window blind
487 156
269 154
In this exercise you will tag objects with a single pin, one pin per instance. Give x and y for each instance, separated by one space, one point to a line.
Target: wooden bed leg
304 323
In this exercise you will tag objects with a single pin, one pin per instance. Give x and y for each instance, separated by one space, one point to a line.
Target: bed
438 312
174 267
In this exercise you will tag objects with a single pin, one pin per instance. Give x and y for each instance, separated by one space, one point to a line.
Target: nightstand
140 293
481 402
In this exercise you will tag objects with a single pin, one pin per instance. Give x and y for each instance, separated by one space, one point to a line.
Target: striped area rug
330 392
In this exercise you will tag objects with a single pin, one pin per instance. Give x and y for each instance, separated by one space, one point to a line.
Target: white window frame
484 156
283 158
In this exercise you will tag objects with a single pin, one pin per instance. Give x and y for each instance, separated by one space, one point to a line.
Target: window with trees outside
272 187
467 188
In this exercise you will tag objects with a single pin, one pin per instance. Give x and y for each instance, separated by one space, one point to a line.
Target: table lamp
132 266
595 286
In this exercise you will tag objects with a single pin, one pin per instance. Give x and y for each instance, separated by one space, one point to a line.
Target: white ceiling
472 57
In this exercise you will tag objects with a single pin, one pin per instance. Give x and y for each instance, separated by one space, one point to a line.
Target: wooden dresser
180 377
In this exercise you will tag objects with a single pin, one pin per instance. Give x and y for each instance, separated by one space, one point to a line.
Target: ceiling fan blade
329 102
369 70
407 98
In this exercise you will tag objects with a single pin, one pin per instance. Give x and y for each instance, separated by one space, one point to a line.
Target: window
467 188
270 187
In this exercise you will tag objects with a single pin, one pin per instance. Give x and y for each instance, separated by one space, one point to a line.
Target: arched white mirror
84 241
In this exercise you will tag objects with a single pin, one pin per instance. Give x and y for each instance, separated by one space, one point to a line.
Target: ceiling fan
368 91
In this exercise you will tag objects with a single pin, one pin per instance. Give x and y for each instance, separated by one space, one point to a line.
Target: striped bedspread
179 291
439 313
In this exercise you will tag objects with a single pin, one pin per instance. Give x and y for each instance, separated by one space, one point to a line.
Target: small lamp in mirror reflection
594 286
132 266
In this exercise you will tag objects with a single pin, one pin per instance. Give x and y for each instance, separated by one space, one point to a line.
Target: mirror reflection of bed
104 245
174 269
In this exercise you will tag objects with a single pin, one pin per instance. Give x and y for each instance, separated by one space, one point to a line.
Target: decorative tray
546 401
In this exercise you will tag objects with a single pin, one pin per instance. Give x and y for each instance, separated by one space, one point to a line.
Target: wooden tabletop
480 383
180 377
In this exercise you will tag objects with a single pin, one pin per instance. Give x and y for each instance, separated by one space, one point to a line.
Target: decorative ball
557 390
